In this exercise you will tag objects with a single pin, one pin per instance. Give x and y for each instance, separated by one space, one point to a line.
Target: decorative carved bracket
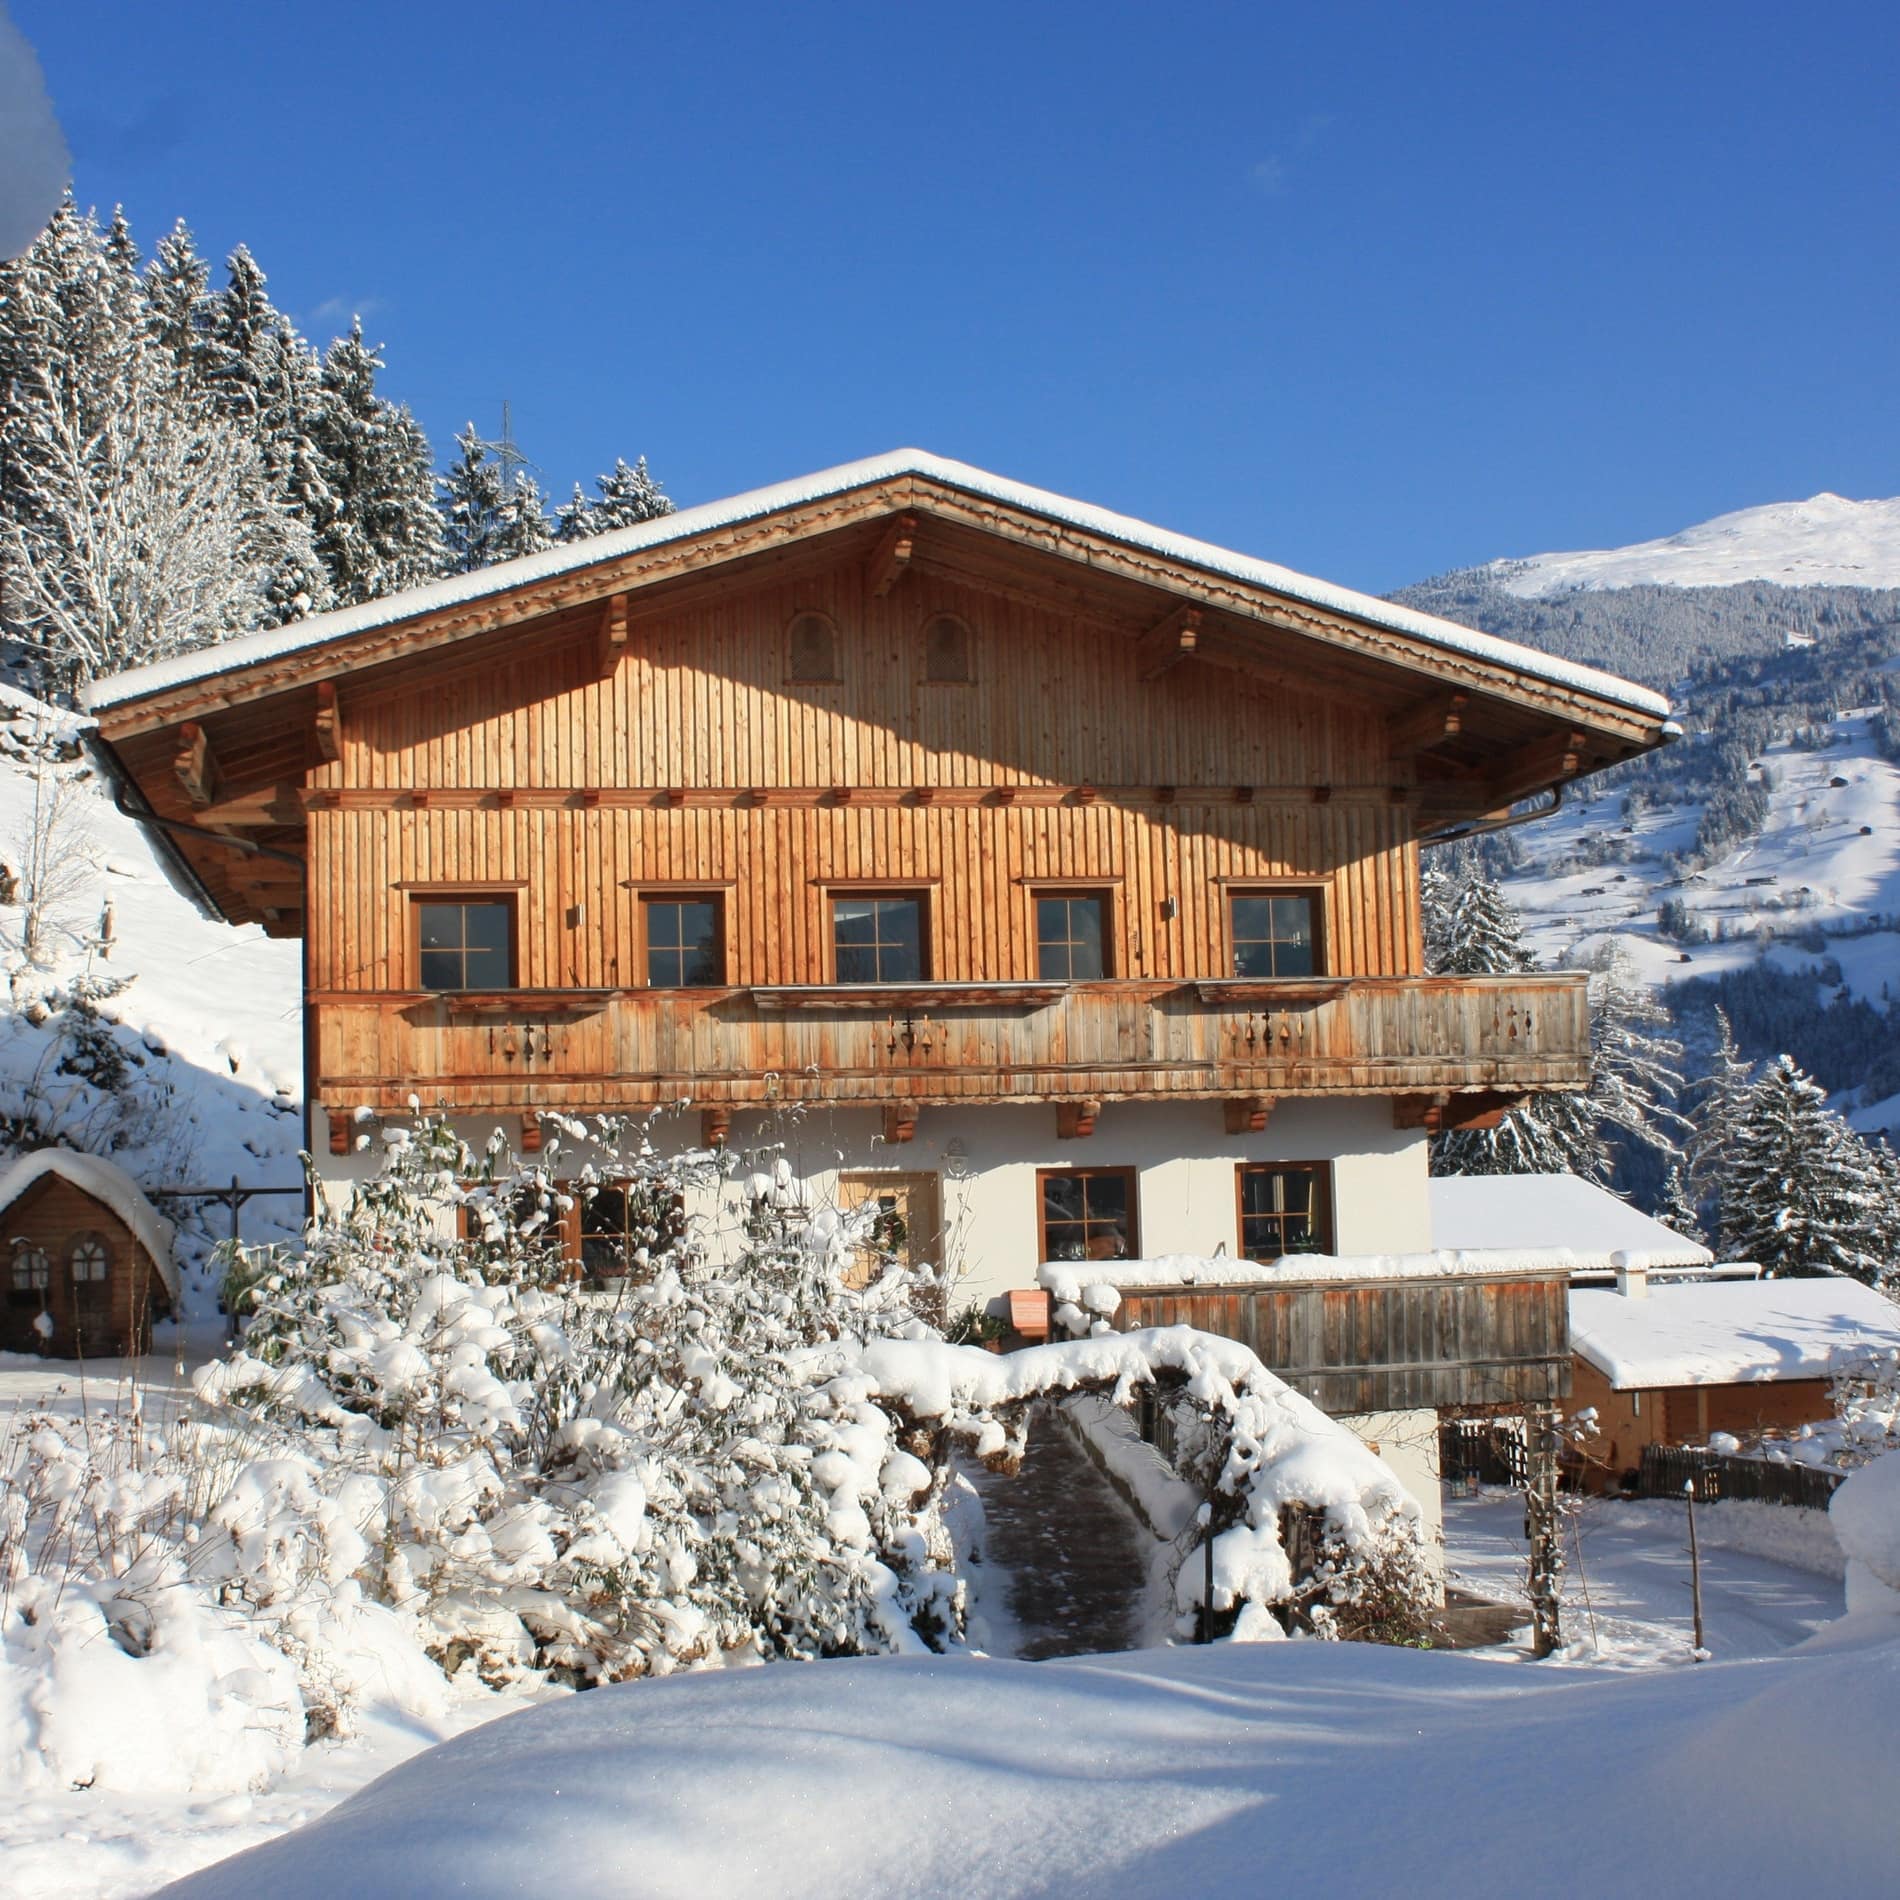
611 642
197 766
891 561
900 1121
1443 1112
1168 642
339 1132
530 1132
1075 1121
1249 1114
1423 727
327 727
715 1127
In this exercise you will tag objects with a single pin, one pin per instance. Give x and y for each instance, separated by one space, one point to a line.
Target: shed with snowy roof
1669 1365
89 1258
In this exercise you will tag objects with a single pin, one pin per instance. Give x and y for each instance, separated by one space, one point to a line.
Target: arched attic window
90 1258
948 656
812 650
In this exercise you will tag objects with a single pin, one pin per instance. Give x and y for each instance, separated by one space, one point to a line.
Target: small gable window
813 649
465 943
947 657
32 1275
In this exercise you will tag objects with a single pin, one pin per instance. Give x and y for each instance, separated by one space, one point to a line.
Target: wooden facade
1360 1346
902 688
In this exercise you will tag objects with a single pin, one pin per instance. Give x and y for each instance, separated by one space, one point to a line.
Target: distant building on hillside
88 1258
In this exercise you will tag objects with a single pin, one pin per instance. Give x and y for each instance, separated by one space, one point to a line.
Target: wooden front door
910 1207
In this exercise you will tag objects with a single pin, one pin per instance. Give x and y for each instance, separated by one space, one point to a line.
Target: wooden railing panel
1102 1040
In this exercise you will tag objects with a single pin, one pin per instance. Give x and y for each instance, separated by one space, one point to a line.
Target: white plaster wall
988 1157
1408 1443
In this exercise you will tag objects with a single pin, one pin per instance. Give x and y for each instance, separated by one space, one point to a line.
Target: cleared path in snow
1075 1559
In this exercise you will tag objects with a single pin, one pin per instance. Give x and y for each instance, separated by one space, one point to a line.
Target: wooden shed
89 1259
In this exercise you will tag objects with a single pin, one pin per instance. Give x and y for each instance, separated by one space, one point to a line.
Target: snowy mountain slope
209 1023
1827 541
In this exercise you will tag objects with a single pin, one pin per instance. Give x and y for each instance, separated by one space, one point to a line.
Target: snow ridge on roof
454 590
1729 1332
110 1186
1474 1213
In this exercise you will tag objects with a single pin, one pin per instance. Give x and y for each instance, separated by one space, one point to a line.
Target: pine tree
470 497
381 532
1633 1073
1677 1211
524 520
1804 1195
626 496
179 302
1715 1114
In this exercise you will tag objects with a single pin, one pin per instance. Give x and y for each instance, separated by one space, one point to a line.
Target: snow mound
1827 541
1865 1513
1343 1769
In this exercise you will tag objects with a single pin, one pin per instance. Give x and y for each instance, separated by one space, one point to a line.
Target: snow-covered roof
111 1187
1553 1211
1065 1279
455 590
1728 1332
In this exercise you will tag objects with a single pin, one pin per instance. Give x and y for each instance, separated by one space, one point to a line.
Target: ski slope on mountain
209 1023
1827 541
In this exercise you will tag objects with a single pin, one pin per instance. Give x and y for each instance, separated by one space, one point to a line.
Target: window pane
857 965
947 650
1253 919
1107 1197
441 970
856 919
814 649
900 924
682 942
441 926
487 926
1062 1197
487 970
1253 959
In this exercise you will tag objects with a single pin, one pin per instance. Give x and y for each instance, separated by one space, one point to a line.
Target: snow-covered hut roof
459 589
1065 1279
1728 1332
1547 1211
111 1187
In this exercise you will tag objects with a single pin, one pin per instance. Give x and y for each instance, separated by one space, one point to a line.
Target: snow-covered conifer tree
380 531
179 303
1715 1110
1677 1211
625 496
1803 1194
1633 1072
471 499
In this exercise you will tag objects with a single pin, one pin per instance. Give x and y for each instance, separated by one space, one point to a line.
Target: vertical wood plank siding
701 707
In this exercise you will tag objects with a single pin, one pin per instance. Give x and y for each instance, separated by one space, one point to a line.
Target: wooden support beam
268 805
611 642
326 727
530 1133
1535 767
900 1121
1420 727
1168 642
1443 1111
197 766
715 1127
890 562
339 1132
1248 1114
1075 1121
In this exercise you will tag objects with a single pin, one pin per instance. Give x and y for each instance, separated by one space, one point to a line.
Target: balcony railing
942 1043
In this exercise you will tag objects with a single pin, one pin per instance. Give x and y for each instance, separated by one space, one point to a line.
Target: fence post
1205 1518
1695 1569
1542 1529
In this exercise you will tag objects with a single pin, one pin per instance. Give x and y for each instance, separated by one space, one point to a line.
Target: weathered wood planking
1386 1345
1106 1041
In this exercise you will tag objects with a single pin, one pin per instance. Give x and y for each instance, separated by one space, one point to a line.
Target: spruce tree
1677 1211
626 496
179 303
471 499
1715 1106
381 532
1633 1072
1803 1194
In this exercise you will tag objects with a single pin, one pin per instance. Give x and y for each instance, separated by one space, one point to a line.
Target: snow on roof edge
454 590
1175 1269
111 1186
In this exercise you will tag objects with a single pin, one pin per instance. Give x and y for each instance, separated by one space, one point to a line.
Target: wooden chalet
1063 870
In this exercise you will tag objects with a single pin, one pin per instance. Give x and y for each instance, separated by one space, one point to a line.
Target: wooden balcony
948 1042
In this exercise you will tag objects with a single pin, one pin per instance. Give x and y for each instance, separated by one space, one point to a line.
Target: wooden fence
1667 1469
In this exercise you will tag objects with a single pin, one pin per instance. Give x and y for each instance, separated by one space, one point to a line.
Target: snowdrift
1315 1768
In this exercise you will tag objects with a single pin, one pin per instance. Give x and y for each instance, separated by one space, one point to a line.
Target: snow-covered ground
1626 1595
1827 541
1295 1767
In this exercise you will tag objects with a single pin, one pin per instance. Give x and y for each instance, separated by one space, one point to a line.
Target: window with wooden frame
879 937
1087 1213
949 655
622 1225
685 940
1072 935
32 1275
1274 932
464 942
811 651
1286 1207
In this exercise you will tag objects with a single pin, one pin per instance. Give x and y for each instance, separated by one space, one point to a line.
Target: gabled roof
1539 1211
458 590
1729 1332
110 1186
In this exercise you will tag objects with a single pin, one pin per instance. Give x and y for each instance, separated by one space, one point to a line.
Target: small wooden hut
88 1258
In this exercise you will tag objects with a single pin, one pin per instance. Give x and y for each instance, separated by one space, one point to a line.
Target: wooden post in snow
1543 1528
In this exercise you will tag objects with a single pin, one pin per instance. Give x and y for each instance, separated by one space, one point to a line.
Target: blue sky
1370 290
